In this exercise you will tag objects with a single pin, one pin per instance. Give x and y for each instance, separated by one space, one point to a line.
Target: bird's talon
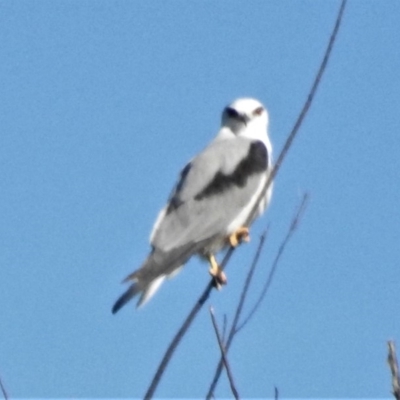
217 273
220 280
240 235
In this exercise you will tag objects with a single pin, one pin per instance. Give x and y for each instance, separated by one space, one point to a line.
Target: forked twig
394 369
238 312
181 332
186 324
234 329
293 226
223 356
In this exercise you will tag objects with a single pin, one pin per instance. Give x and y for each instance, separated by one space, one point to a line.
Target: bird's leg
216 272
240 235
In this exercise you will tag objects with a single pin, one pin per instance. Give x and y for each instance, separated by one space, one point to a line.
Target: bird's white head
245 117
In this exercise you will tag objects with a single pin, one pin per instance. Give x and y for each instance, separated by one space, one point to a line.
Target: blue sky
102 103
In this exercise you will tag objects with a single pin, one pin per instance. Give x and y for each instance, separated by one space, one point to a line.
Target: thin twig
223 356
292 228
276 393
249 278
394 369
3 390
235 327
198 305
304 110
224 326
181 332
237 315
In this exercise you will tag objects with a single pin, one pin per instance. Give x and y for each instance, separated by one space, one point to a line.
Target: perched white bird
213 199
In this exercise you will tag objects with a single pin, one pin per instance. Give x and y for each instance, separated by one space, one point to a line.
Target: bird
211 206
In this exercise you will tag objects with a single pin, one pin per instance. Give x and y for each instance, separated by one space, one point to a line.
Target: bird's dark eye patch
258 111
231 112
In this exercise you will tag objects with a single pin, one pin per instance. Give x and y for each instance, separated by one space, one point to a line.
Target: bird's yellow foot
239 236
216 272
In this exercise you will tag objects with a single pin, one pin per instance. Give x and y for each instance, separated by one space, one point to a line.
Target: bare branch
293 226
224 327
238 312
235 328
186 324
304 110
394 368
181 332
3 390
249 278
223 355
276 393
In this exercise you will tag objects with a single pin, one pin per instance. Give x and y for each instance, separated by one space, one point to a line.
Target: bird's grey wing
214 187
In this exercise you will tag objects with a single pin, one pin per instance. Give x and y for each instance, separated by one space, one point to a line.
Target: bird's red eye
258 111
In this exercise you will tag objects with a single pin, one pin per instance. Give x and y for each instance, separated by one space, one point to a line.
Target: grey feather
131 292
195 217
213 198
158 263
220 156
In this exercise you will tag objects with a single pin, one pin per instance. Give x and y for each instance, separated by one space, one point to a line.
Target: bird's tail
149 277
132 291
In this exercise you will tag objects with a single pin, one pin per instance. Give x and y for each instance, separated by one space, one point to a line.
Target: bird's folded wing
214 188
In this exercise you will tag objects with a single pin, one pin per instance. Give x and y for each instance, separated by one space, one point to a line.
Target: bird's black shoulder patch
255 162
175 201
